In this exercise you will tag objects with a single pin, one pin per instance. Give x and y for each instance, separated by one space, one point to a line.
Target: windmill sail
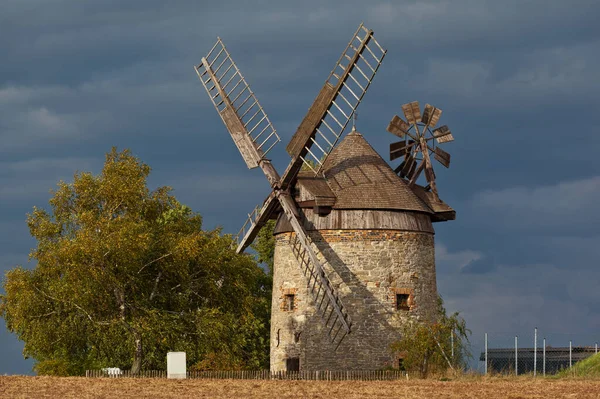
431 115
249 126
400 148
256 220
412 112
247 123
398 127
335 104
442 156
327 303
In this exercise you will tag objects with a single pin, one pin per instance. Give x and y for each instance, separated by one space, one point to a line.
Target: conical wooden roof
361 179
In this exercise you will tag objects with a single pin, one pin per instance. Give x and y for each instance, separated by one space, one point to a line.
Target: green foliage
264 245
310 164
313 165
589 367
125 274
427 346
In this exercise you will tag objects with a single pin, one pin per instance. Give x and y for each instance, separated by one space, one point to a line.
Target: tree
264 245
125 274
428 346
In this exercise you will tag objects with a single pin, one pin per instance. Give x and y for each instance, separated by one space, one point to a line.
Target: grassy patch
589 367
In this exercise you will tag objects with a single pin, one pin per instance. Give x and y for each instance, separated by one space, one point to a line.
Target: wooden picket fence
126 374
323 375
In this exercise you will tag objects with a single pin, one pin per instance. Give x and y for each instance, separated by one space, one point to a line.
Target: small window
289 302
402 302
292 364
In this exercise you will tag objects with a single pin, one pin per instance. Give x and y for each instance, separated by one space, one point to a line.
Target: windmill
419 143
254 135
354 244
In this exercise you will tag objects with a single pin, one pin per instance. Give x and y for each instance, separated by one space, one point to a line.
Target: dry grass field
487 388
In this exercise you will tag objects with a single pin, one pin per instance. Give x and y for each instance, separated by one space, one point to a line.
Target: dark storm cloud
517 80
565 206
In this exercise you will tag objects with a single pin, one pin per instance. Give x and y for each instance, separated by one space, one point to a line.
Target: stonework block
367 268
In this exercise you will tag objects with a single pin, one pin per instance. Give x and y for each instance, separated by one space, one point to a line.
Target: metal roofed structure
502 360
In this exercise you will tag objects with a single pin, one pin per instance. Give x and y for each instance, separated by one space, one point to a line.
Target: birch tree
124 274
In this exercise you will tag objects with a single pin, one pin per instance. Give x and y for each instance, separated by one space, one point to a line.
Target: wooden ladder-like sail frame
335 104
249 126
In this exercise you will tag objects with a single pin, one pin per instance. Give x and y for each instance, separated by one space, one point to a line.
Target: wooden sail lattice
248 225
256 219
326 300
237 105
334 107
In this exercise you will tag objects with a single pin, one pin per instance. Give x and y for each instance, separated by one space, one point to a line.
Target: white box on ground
176 365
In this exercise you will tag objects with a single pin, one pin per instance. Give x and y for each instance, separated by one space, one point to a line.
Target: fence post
486 356
534 352
596 348
544 359
570 354
516 355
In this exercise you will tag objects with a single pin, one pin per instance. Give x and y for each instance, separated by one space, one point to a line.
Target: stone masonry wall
367 268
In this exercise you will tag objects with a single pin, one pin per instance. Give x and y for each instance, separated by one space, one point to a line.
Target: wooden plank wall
348 219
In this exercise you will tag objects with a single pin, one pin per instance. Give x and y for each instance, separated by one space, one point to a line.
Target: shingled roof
361 179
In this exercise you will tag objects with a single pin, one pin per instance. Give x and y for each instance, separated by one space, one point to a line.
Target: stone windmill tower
354 252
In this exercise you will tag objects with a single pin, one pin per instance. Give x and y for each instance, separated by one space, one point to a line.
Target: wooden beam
311 120
234 125
269 206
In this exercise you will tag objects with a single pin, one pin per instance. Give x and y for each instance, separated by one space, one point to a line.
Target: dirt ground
487 388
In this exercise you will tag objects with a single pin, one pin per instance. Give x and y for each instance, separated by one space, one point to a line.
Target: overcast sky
518 83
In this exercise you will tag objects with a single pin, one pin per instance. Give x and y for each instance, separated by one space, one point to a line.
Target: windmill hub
354 247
